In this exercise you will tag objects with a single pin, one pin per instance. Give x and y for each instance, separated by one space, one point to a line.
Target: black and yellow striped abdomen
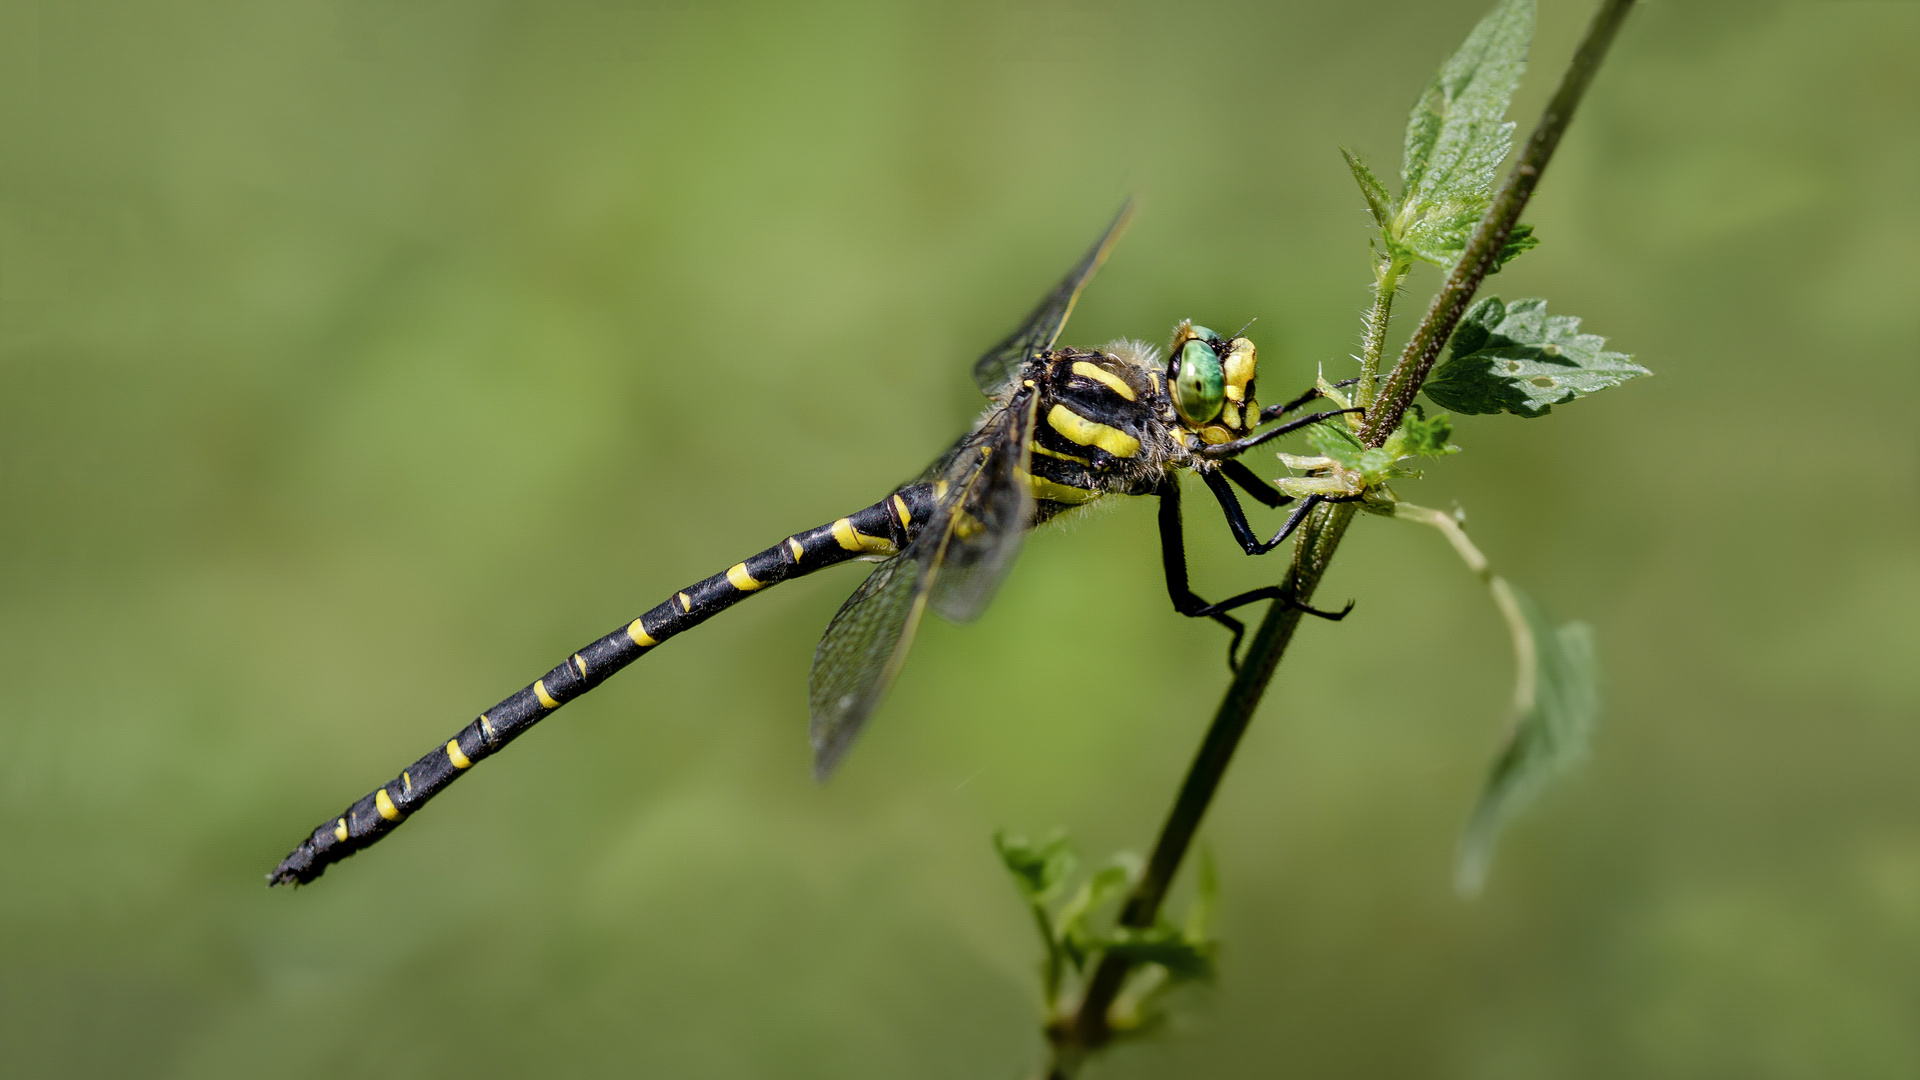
878 530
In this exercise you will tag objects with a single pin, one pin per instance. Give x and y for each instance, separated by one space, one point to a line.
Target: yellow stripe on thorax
1091 432
1044 488
906 516
1104 377
1043 451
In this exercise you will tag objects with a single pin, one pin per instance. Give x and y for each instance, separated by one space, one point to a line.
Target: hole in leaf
1513 367
1551 350
1541 380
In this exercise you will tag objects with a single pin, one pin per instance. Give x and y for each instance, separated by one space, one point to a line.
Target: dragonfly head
1211 381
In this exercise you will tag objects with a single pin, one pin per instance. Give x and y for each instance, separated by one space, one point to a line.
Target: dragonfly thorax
1112 422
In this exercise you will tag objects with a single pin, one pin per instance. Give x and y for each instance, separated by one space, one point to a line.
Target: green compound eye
1204 334
1200 389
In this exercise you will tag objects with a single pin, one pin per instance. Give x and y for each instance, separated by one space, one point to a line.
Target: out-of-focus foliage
1075 933
1555 704
363 359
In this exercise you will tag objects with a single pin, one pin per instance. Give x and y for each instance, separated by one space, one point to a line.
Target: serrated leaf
1371 189
1556 701
1416 436
1516 358
1520 240
1458 134
1037 868
1421 437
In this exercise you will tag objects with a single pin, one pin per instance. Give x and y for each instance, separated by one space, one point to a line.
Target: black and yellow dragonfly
1065 427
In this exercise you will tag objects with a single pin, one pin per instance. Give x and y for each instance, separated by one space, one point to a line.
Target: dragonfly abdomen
878 530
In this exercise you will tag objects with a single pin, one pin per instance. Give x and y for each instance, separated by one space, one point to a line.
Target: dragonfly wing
993 371
970 539
861 652
992 510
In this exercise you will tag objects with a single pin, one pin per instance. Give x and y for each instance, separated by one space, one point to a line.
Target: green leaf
1556 701
1458 134
1371 188
1416 436
1337 441
1516 358
1421 437
1037 868
1101 889
1519 240
1184 959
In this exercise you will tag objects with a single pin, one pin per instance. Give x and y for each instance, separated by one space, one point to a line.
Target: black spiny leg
1243 532
1241 446
1275 412
1173 559
1272 592
1264 493
1237 518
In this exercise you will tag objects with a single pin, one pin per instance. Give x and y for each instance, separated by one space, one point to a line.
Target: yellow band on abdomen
853 539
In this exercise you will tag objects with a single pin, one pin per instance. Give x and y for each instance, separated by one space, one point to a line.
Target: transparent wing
992 510
954 564
862 651
993 371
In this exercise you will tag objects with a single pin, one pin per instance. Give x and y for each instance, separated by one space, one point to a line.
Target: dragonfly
1063 428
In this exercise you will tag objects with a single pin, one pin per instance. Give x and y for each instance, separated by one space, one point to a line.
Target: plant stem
1089 1027
1387 275
1320 536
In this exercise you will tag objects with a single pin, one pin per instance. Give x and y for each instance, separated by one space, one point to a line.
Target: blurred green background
362 359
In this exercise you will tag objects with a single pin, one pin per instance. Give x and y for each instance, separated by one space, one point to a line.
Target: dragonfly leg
1281 593
1237 518
1264 493
1275 412
1241 446
1173 559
